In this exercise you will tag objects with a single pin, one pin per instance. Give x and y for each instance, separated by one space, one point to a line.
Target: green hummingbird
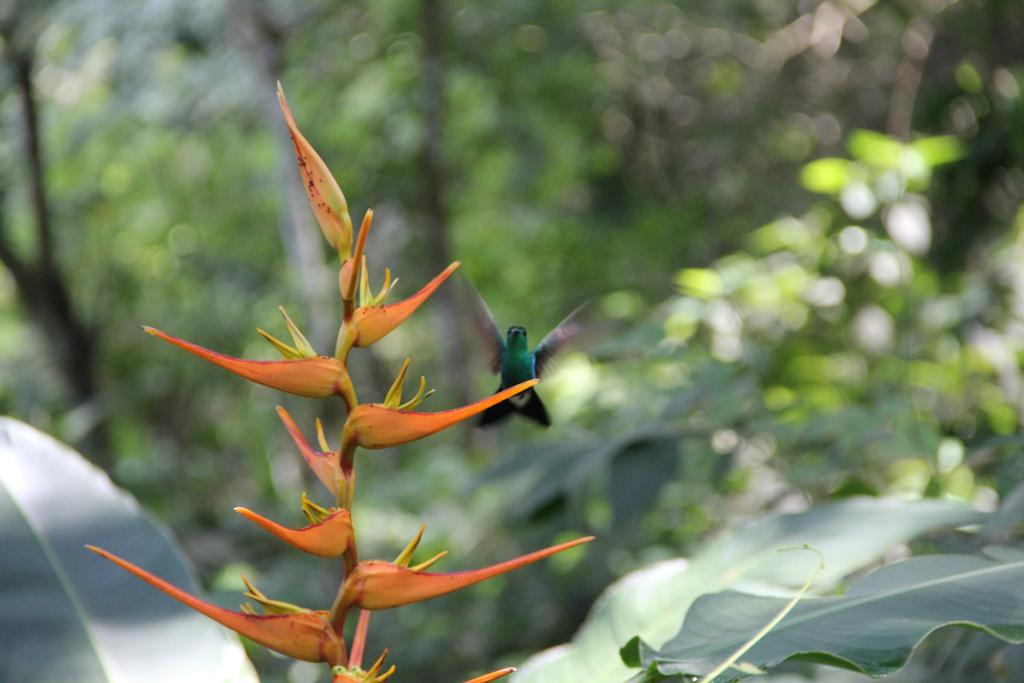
515 362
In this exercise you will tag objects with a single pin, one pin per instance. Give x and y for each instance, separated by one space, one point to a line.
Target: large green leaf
652 602
872 629
68 616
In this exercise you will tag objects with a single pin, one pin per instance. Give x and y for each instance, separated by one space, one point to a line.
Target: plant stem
355 658
742 650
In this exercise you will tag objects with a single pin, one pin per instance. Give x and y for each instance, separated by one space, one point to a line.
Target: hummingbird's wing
558 338
485 326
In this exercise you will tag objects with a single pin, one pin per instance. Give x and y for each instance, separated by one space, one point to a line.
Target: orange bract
494 675
348 274
325 196
377 585
318 377
372 323
326 465
305 635
328 538
373 425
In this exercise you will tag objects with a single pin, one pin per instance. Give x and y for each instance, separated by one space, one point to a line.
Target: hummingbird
515 362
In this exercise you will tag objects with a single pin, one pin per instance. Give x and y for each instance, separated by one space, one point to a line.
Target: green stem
346 339
742 650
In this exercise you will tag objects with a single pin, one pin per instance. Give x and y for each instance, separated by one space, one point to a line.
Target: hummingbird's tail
527 404
495 414
534 409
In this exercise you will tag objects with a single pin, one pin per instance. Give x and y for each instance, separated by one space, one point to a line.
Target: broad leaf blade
872 629
652 602
69 616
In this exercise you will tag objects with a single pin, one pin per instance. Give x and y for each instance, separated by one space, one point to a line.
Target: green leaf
702 283
872 629
67 615
543 475
652 602
827 176
877 149
631 653
939 149
968 78
638 473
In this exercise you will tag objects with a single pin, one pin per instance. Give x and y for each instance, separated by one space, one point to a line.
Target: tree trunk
42 289
450 329
264 40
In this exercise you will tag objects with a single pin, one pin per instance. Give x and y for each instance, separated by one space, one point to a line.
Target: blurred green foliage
802 220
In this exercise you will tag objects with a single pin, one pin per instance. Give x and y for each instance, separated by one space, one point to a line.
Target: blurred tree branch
432 169
917 44
264 37
41 286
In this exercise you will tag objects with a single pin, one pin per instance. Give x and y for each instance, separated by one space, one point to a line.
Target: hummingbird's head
516 338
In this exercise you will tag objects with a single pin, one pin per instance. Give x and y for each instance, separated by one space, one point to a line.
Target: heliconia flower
316 377
316 513
494 675
329 537
302 634
269 606
302 348
393 399
349 273
376 425
372 321
326 464
375 584
325 196
354 674
405 557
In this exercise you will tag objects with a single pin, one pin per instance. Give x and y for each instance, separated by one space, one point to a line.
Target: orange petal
325 465
325 196
348 274
372 425
317 377
306 635
373 323
329 538
375 584
494 675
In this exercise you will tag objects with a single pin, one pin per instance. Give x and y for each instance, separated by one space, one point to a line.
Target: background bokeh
801 223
